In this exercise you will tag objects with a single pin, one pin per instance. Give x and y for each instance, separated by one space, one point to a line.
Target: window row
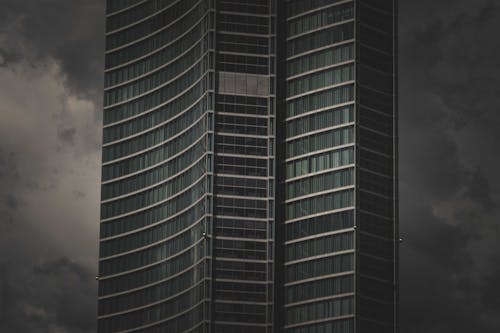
241 186
152 235
151 25
239 249
242 104
320 288
152 274
241 166
155 175
134 14
337 326
318 204
154 156
234 291
193 39
320 19
241 125
320 120
163 211
240 313
319 267
226 144
241 207
319 224
157 194
193 321
323 140
319 100
319 246
243 63
244 84
160 96
154 313
238 270
242 44
152 294
320 59
138 124
319 80
161 39
317 163
243 23
321 310
244 6
319 39
319 183
296 7
158 78
155 254
184 104
154 137
251 225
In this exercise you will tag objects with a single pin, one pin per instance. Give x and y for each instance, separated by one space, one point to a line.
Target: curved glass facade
249 167
156 212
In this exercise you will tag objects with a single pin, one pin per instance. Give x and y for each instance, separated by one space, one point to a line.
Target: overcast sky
51 69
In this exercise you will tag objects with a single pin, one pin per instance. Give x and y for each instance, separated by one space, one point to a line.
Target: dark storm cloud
448 116
69 31
51 61
50 299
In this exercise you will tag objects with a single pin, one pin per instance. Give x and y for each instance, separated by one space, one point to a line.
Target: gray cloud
449 186
50 87
71 32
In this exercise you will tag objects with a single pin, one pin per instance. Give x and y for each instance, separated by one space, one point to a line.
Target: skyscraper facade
249 179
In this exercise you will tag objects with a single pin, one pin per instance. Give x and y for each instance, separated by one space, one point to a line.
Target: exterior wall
244 167
340 197
376 174
208 225
319 254
155 261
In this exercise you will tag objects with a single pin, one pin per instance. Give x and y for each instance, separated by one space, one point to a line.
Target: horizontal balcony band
320 299
317 194
147 55
320 277
317 9
156 12
169 139
165 27
165 161
299 219
146 286
199 180
320 256
165 240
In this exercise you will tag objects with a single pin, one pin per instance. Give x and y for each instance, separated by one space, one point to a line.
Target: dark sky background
51 69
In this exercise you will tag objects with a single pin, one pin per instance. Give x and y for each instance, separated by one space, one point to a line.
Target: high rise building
249 179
